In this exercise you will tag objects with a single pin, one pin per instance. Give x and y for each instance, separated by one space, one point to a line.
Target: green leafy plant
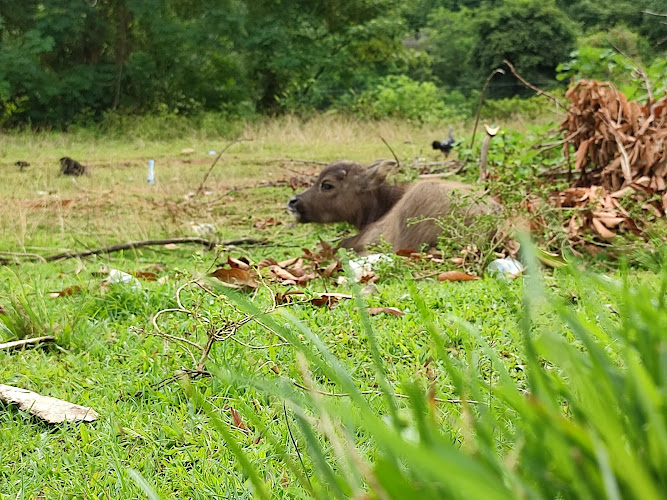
589 420
402 97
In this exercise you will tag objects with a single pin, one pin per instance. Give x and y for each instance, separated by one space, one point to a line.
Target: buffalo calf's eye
326 186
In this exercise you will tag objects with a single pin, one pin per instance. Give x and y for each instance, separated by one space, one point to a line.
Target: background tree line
65 61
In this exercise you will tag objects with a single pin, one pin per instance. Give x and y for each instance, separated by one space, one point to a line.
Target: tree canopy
64 61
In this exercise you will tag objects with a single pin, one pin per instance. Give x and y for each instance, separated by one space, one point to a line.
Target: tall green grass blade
141 482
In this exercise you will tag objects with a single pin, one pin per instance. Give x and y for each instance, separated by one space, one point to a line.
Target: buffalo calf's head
347 192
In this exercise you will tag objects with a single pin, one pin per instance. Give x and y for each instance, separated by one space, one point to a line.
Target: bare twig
32 256
533 87
16 344
651 13
398 163
551 145
200 189
640 71
133 245
497 71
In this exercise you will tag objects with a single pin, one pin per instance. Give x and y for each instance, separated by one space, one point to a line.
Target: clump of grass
25 316
591 421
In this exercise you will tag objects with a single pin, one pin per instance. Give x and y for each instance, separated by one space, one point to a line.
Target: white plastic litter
508 265
151 172
364 265
204 230
117 276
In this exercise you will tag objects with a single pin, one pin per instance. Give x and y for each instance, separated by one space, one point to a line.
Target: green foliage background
64 62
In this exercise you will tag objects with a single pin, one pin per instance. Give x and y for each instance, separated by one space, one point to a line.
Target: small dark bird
68 166
447 145
22 165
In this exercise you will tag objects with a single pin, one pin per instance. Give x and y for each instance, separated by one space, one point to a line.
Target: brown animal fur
348 192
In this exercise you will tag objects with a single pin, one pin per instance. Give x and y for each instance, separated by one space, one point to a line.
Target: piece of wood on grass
51 410
17 344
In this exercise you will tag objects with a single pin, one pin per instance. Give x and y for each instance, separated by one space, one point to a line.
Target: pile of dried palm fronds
620 156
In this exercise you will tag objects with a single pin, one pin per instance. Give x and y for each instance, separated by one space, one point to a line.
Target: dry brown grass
44 210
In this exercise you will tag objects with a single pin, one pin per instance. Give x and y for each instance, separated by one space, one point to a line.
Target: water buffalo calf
403 215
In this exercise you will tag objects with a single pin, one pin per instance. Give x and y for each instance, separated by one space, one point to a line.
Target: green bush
402 97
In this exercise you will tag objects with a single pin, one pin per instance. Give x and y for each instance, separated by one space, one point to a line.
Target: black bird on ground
447 145
68 166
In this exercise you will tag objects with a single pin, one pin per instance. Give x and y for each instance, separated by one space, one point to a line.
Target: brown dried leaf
70 290
236 417
332 268
235 278
388 310
329 299
408 252
145 275
456 276
289 262
286 298
604 233
268 262
242 263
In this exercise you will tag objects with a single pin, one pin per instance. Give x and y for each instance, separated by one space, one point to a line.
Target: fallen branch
133 245
15 344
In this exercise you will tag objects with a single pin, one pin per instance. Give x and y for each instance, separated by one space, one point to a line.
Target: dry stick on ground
200 189
497 71
24 342
533 87
135 244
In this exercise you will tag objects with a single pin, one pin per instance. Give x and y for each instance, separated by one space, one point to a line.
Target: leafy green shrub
402 97
531 108
603 63
588 421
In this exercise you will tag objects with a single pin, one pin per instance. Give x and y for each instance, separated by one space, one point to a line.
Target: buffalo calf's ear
375 174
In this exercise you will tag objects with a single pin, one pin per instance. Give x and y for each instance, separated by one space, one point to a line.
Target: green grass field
474 397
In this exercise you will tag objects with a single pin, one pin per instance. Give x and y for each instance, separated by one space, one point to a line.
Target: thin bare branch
533 87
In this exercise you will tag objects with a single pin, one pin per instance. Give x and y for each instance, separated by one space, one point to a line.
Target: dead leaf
407 252
268 262
288 262
332 268
456 276
170 246
266 223
70 290
242 263
51 410
235 278
329 299
236 417
389 310
145 275
604 233
286 298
